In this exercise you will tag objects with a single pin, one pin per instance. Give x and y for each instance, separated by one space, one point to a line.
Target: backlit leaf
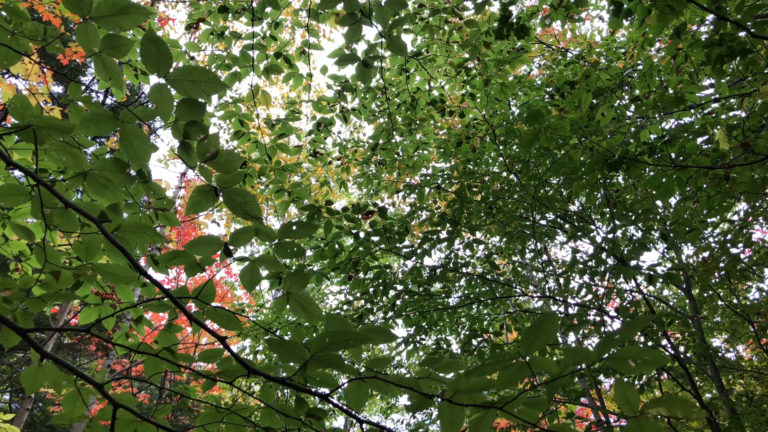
242 204
304 307
195 82
119 14
541 332
135 146
451 417
78 7
202 199
155 54
297 230
116 45
13 195
206 245
627 397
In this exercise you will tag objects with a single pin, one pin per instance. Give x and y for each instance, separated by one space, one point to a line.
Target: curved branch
722 17
194 319
74 370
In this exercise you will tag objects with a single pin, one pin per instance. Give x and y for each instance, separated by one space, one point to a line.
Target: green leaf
120 15
297 230
155 54
269 262
303 306
335 340
9 57
272 69
13 195
161 96
289 249
110 72
202 198
16 13
78 7
354 33
376 334
109 323
451 417
124 293
23 231
177 258
32 379
265 233
226 161
242 204
673 405
296 281
444 156
190 109
396 45
53 376
364 72
541 332
88 315
204 246
116 45
195 82
206 292
250 276
210 356
644 424
481 420
73 402
138 234
321 378
347 59
356 394
186 153
288 350
327 4
88 248
153 367
116 273
224 319
626 397
97 122
242 236
135 146
396 5
228 180
88 36
632 360
8 339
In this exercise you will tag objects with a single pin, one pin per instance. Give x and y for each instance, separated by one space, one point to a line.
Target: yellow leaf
722 139
19 68
55 112
32 98
763 93
7 90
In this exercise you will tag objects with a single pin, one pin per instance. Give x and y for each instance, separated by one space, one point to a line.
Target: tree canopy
275 215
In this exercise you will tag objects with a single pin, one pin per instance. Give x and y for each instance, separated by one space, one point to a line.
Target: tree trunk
714 426
714 371
29 401
734 419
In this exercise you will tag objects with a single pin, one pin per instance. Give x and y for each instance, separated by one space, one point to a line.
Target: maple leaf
72 52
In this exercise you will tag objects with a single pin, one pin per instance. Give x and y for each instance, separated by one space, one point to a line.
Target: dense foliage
385 215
